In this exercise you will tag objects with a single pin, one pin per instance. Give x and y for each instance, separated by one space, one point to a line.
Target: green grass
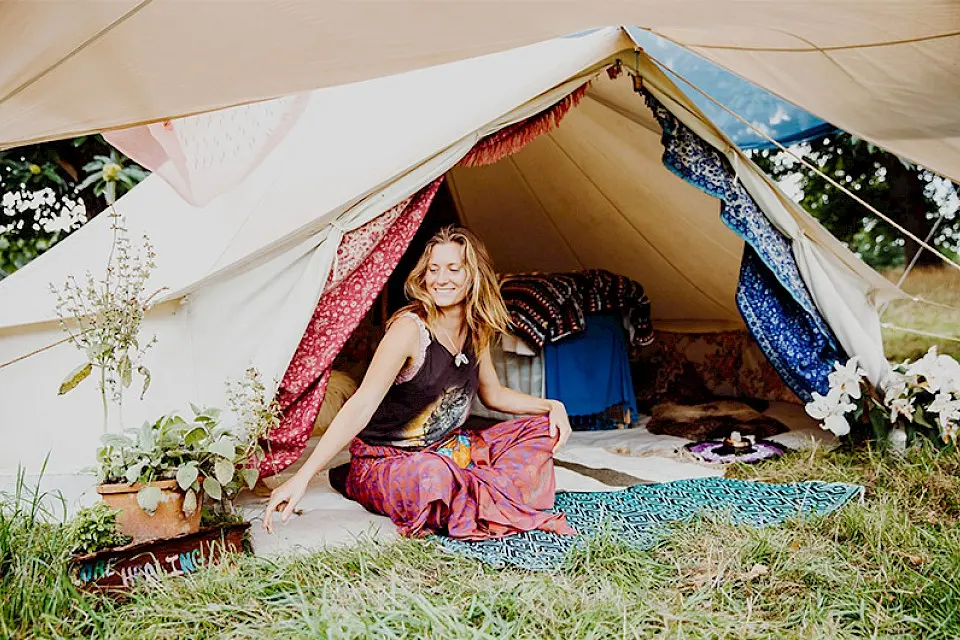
939 285
886 568
889 567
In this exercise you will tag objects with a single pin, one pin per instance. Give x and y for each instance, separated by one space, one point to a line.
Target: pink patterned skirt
474 485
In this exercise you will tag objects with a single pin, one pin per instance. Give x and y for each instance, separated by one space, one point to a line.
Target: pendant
460 359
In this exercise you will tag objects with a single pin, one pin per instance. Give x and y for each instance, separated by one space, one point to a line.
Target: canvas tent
244 271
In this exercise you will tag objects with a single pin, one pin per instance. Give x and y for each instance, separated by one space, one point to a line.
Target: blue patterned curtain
771 295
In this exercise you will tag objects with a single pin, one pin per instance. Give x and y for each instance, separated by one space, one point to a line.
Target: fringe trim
515 137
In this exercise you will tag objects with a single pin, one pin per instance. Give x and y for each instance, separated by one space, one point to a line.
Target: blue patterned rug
639 514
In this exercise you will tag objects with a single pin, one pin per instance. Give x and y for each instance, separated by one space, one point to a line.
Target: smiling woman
412 458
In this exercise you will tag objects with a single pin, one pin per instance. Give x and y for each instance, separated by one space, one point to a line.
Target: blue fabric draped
771 294
590 372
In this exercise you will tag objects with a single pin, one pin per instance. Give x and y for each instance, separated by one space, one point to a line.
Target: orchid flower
847 378
930 369
901 406
830 409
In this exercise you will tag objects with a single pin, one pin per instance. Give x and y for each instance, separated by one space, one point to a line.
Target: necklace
461 357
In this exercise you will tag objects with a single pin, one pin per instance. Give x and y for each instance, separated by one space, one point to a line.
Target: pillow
339 389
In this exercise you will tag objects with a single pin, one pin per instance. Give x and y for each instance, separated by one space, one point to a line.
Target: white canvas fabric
884 70
244 271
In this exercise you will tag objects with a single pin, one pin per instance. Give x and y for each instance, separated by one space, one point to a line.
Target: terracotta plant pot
168 520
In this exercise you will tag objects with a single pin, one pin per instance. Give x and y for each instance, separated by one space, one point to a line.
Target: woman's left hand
559 423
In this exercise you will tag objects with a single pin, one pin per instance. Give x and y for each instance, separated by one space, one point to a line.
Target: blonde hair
484 311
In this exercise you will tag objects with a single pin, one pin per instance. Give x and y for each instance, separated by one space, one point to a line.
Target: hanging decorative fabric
366 258
208 154
772 296
549 307
801 356
511 139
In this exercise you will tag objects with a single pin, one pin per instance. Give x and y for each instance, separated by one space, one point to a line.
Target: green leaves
94 528
224 447
187 475
134 471
195 436
125 369
250 476
116 440
189 503
75 377
200 453
212 488
149 498
146 440
223 470
143 371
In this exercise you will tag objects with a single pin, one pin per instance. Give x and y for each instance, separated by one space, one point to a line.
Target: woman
411 459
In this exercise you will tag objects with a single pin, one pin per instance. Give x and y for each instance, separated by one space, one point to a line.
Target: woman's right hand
284 499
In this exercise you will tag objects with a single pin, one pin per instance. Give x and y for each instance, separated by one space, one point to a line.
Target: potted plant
158 475
916 398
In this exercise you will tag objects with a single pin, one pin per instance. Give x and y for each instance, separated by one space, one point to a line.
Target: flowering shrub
102 318
921 397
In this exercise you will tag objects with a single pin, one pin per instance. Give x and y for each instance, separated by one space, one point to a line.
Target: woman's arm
500 398
398 345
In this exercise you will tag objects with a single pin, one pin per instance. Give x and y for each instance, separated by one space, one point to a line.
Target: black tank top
430 398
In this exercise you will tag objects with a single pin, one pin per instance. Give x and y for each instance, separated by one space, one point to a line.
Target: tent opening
563 205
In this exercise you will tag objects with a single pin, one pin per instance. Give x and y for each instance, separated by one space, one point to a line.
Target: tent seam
76 50
814 48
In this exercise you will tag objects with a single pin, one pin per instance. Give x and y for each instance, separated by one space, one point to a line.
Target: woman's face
446 277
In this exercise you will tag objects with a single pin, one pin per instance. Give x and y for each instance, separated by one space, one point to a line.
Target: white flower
838 424
947 409
822 406
950 373
830 409
894 386
847 377
901 406
930 369
950 431
941 402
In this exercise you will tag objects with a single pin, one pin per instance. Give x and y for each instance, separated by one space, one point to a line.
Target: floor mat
638 515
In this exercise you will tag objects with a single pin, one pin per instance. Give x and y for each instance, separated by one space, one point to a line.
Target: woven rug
639 515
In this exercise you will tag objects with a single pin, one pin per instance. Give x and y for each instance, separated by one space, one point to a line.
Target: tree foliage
48 190
908 194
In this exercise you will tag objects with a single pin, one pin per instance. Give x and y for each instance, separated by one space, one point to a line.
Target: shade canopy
883 70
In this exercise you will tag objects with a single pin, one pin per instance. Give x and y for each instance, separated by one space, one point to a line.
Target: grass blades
887 567
939 285
36 595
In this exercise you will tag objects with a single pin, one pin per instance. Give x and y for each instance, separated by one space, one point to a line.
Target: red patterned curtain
365 259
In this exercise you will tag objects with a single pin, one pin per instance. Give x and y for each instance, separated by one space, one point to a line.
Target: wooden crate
120 568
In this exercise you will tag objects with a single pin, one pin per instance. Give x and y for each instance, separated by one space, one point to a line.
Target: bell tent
276 224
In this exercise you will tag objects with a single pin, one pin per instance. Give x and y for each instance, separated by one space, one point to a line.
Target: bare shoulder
404 333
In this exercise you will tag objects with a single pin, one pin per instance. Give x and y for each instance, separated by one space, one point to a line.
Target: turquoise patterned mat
639 514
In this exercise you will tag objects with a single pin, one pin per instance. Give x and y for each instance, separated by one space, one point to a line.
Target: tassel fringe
515 137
